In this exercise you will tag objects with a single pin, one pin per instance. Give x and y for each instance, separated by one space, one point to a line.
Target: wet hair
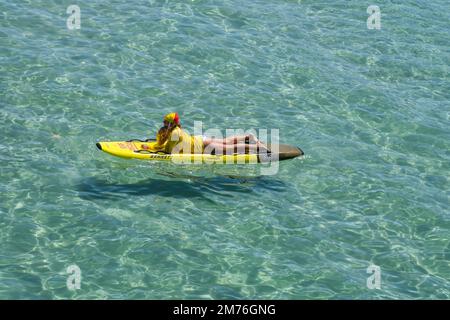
164 132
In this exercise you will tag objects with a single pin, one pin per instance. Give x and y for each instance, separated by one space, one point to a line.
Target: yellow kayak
133 149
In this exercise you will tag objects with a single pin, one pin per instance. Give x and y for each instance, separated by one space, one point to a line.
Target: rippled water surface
370 108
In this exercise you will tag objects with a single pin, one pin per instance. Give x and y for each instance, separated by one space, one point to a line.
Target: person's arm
159 145
175 138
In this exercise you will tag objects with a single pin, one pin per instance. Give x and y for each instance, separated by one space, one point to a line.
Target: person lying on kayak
171 135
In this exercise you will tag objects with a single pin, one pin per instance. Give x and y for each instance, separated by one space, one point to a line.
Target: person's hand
144 146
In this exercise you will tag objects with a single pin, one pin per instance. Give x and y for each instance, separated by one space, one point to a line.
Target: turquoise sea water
370 108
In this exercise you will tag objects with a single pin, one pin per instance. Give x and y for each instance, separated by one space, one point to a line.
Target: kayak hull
135 149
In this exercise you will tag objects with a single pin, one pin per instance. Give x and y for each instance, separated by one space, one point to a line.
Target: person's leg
231 140
236 139
221 148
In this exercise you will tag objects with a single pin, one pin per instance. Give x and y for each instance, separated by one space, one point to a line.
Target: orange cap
172 118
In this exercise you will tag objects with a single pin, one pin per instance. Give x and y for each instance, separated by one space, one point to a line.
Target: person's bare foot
262 146
251 138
